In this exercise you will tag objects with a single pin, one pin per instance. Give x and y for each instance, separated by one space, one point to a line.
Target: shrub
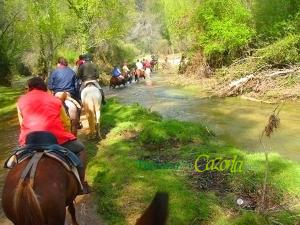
226 30
283 51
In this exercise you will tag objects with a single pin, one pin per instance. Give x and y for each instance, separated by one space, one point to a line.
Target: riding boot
103 96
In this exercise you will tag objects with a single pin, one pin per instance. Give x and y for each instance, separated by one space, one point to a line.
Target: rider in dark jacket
88 71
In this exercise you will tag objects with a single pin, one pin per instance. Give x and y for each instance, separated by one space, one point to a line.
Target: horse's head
157 211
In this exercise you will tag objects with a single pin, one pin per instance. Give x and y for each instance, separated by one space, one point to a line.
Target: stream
236 121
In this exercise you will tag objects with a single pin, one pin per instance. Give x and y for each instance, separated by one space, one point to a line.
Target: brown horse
115 81
138 74
43 201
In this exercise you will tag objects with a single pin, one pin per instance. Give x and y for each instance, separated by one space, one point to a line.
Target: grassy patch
8 98
124 189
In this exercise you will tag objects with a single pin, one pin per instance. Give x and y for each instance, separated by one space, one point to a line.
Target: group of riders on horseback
59 112
141 69
39 196
40 111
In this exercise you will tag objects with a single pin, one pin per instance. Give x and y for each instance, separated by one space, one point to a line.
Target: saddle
44 143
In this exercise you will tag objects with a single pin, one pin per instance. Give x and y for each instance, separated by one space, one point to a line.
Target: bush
226 30
284 51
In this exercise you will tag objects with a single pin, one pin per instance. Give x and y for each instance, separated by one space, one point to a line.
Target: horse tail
27 206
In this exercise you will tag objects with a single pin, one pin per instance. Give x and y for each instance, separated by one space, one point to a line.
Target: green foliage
249 218
281 52
8 97
225 30
275 18
170 132
120 52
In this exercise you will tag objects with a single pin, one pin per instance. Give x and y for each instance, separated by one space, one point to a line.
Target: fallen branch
240 82
281 73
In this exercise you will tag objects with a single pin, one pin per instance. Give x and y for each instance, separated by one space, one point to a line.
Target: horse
37 191
43 201
72 109
138 74
128 77
116 81
154 65
42 197
91 102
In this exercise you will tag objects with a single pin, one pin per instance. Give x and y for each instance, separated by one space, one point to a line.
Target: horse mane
157 211
27 207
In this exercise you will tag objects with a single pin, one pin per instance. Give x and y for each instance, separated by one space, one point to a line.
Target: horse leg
91 120
72 211
98 124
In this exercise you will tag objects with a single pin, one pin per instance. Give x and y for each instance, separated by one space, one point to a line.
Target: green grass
124 189
8 98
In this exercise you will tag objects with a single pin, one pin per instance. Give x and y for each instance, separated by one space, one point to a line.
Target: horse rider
64 79
40 111
125 69
80 61
89 73
146 64
147 68
116 72
139 65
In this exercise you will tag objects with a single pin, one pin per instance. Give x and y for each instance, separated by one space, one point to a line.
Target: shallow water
237 121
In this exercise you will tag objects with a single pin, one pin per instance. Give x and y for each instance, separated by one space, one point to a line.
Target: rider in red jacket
40 111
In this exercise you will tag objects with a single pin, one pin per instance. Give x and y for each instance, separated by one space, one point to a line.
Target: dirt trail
86 211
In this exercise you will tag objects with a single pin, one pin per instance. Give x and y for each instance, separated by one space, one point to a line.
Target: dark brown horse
154 65
43 201
127 76
115 81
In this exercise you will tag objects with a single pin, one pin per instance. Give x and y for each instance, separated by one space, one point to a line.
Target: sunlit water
237 121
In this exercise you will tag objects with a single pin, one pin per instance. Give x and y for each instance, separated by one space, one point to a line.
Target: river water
236 121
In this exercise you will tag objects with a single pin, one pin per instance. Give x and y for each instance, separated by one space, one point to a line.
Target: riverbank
248 78
124 187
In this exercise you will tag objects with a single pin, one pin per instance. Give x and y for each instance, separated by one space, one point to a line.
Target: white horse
91 102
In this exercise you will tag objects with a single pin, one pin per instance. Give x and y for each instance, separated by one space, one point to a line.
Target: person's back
125 68
116 72
41 111
88 71
139 65
147 64
63 79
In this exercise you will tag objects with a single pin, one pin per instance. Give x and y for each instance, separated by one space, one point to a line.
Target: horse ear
157 212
